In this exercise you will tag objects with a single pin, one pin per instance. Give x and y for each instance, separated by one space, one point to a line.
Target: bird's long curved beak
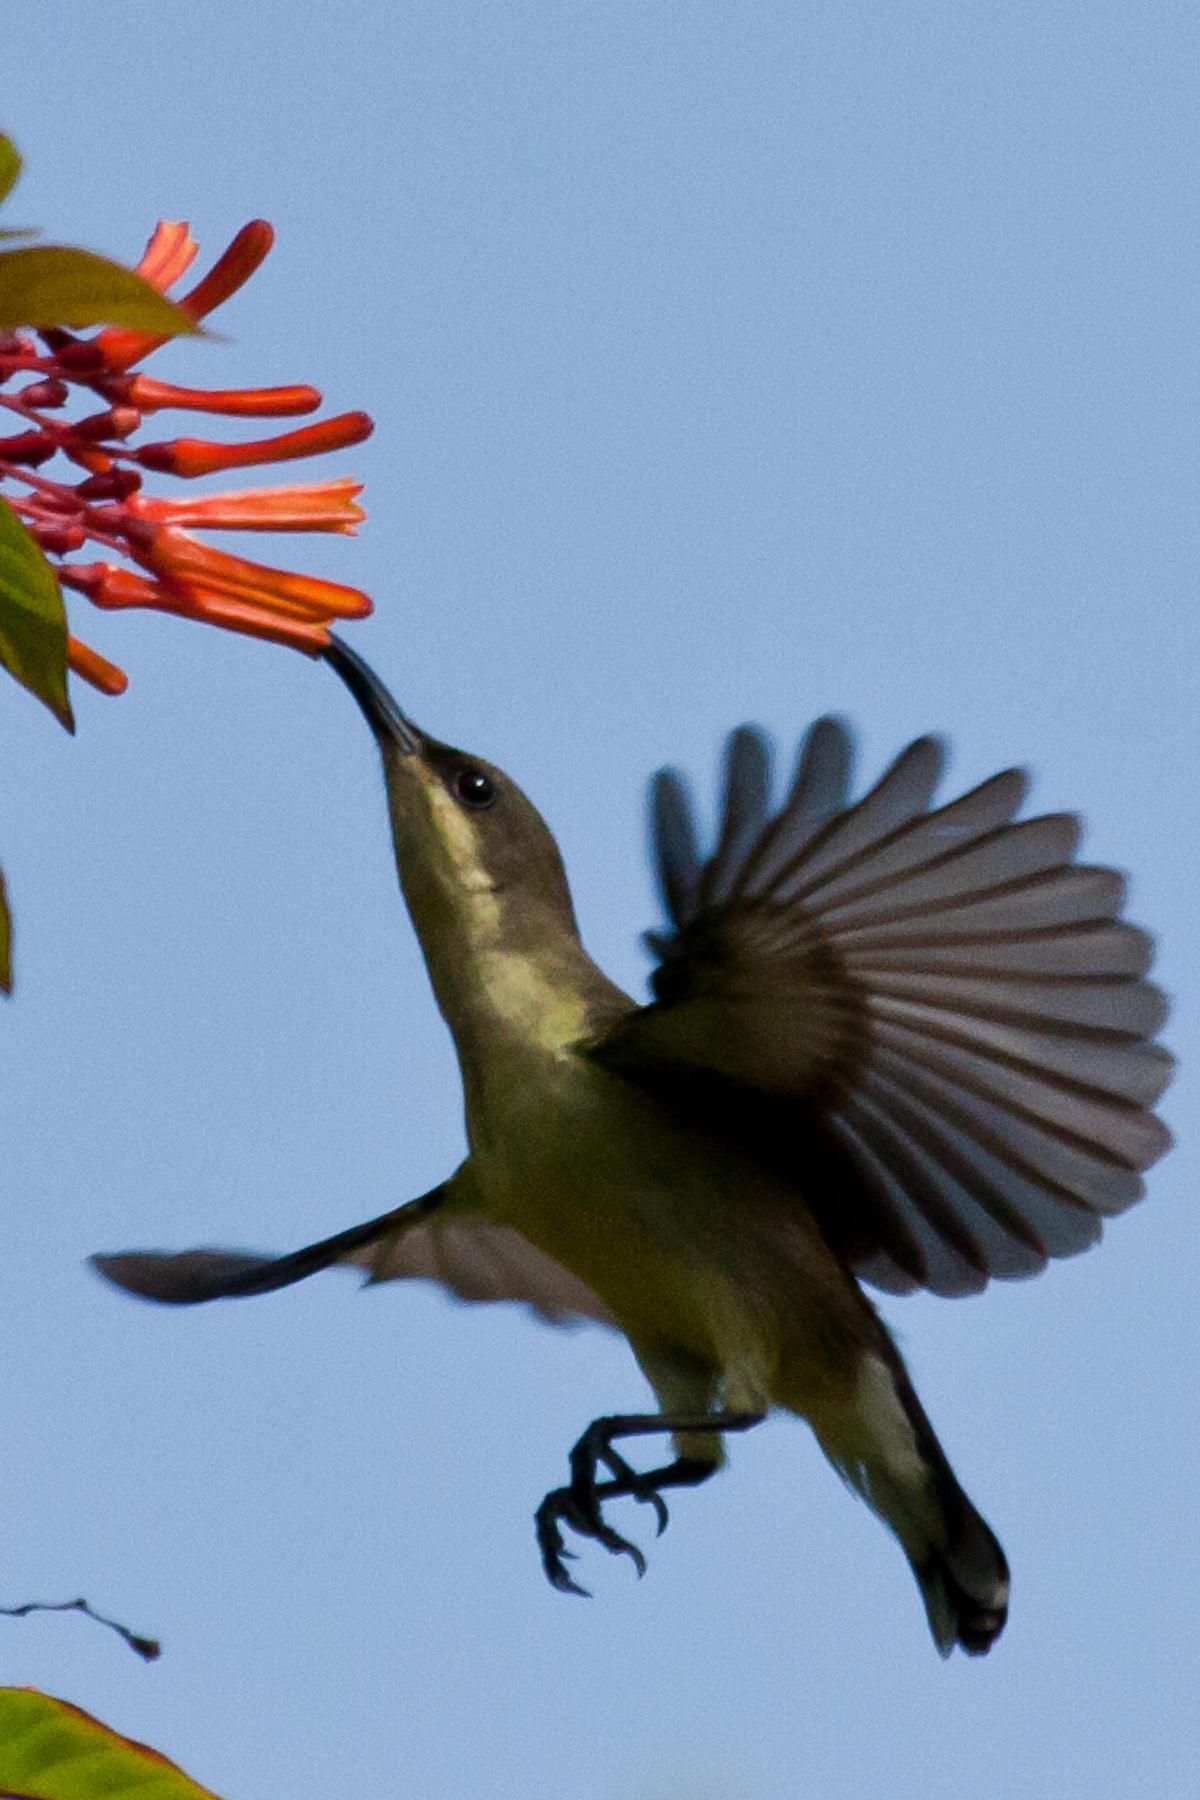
377 705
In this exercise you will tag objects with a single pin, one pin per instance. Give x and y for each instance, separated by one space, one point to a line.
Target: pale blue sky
728 362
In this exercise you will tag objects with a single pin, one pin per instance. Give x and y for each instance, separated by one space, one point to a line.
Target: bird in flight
890 1042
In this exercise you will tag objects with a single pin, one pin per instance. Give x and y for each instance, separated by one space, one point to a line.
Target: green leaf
33 622
51 285
10 166
5 940
50 1750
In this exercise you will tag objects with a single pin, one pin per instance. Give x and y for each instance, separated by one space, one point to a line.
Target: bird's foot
582 1513
579 1505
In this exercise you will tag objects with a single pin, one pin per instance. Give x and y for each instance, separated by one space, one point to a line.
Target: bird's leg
579 1505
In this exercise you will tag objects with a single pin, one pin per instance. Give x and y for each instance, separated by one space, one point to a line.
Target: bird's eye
473 787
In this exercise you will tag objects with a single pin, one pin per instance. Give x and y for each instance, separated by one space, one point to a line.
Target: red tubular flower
175 556
232 269
316 506
195 456
110 586
178 573
256 403
253 621
114 589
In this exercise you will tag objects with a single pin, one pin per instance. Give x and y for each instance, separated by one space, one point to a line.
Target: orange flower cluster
175 572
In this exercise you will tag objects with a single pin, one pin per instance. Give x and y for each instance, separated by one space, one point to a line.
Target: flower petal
308 635
169 254
176 555
313 506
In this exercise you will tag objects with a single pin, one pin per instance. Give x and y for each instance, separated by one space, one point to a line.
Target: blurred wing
470 1257
476 1260
933 1016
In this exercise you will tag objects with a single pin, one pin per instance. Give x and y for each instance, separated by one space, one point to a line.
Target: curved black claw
550 1543
555 1555
637 1486
616 1545
567 1506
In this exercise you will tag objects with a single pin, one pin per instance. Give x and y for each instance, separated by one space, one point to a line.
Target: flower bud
45 394
114 484
28 447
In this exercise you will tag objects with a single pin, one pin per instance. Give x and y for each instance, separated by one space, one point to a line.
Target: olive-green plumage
905 1044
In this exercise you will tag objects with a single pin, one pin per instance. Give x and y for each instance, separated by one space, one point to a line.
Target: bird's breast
658 1219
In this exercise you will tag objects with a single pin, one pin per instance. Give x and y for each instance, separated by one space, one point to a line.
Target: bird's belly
572 1178
671 1229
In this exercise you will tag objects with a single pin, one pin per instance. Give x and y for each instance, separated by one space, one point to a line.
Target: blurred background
727 363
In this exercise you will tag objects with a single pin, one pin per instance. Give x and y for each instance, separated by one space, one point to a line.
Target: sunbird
890 1042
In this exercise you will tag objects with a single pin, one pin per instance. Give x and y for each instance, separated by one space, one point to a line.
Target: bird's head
477 862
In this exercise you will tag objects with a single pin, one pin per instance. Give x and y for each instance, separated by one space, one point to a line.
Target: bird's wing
477 1260
468 1255
932 1015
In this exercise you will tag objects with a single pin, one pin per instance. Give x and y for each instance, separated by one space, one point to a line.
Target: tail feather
965 1584
886 1450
